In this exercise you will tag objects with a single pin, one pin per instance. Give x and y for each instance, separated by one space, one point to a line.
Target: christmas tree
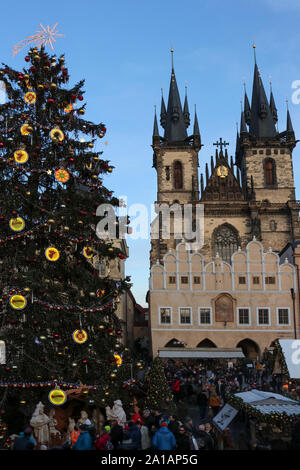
159 395
58 317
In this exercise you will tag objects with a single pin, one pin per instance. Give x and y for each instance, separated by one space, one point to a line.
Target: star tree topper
43 36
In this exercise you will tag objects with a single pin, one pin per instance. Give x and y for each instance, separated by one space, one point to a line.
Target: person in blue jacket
164 439
84 441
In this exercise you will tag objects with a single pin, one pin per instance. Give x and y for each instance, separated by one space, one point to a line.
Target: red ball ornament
80 98
73 97
27 59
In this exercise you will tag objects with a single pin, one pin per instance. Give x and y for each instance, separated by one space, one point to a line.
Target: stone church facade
247 201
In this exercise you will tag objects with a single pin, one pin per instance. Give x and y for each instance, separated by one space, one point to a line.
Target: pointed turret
155 126
289 125
273 107
163 112
196 125
175 127
243 129
186 112
247 109
262 122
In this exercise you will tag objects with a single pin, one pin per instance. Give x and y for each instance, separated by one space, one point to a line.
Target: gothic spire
163 112
273 107
155 126
262 122
175 127
243 128
289 125
196 125
247 109
186 112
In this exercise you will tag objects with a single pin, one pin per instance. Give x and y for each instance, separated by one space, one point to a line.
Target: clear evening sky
122 50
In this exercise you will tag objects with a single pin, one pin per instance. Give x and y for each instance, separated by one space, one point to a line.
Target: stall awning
201 353
269 402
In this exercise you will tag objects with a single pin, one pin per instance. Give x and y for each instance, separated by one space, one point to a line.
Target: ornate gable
222 184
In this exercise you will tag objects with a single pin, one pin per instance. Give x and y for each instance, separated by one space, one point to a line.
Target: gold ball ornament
57 135
68 108
80 336
30 97
21 156
88 252
52 254
57 396
17 224
17 302
62 175
26 129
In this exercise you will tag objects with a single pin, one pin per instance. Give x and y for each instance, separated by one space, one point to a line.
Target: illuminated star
49 172
43 36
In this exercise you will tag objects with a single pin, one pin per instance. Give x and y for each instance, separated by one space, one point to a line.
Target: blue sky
122 49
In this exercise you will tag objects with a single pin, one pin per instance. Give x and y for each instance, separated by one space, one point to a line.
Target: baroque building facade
246 200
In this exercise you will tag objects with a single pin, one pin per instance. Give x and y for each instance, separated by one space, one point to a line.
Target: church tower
264 158
175 158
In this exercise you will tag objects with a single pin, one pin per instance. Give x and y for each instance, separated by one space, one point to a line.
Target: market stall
269 416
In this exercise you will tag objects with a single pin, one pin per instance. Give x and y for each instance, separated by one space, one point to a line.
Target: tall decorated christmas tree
57 316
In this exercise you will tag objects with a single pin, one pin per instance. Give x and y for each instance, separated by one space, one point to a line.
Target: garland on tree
159 395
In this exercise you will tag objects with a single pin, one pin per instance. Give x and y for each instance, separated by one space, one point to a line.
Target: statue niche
224 308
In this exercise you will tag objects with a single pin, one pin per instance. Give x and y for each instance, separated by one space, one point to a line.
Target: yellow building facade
246 304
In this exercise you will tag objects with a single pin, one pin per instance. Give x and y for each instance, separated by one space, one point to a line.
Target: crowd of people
201 388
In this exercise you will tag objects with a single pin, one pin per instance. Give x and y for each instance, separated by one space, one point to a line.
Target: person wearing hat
163 438
101 443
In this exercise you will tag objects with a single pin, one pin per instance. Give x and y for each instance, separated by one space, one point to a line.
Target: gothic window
273 225
178 179
270 172
225 242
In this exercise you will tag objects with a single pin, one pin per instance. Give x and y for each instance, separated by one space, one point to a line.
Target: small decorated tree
159 395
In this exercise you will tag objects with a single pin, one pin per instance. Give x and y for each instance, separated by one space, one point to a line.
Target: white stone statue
98 421
84 419
52 423
71 427
40 423
116 412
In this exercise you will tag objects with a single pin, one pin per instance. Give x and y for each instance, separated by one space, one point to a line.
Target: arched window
225 242
178 178
270 172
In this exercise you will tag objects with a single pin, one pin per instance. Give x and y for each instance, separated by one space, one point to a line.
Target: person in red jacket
102 440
